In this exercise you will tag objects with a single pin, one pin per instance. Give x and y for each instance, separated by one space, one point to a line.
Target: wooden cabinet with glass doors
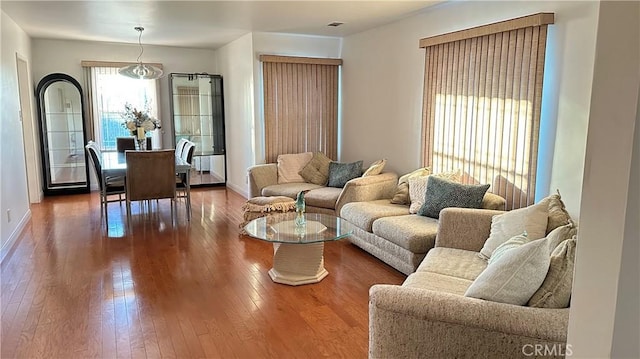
197 109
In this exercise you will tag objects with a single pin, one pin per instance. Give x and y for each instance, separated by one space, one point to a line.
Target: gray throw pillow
341 173
442 194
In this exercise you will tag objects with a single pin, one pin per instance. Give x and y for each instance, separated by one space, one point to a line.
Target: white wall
383 78
13 179
234 63
626 334
607 173
241 70
64 56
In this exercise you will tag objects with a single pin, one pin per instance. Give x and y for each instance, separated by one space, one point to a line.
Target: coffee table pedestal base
297 264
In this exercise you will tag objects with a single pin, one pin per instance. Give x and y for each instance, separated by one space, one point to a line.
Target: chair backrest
125 143
180 146
94 156
151 174
187 151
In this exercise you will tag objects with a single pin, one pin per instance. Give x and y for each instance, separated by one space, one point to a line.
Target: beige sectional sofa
263 181
389 232
428 316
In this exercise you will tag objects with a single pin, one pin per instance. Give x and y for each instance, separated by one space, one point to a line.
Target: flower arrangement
138 122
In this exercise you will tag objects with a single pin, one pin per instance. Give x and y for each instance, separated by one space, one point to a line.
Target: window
109 91
482 97
301 105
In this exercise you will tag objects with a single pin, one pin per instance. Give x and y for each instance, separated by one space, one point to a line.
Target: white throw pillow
514 277
290 165
532 219
375 168
418 187
512 243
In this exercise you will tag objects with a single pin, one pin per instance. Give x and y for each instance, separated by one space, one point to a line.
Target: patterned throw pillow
401 196
317 170
442 194
418 187
341 173
375 168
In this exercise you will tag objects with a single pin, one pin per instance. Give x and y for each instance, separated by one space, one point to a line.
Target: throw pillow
401 196
442 194
555 291
532 219
317 170
515 276
290 165
375 168
512 243
418 187
558 215
341 173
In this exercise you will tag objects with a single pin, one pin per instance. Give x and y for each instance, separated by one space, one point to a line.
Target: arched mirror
62 135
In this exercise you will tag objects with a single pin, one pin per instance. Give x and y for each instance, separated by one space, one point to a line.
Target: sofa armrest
411 322
368 188
261 176
464 228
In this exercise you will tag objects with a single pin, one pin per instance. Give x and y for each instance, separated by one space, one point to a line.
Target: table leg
297 264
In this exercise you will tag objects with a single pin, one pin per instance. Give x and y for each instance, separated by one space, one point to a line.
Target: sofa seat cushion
288 189
437 282
363 214
324 197
453 262
414 233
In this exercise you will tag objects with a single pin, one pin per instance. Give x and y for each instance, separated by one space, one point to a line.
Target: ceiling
200 24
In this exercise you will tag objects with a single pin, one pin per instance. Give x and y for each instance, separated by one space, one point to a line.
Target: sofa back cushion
290 165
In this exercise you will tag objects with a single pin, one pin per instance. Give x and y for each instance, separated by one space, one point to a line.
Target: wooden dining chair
151 175
125 143
111 185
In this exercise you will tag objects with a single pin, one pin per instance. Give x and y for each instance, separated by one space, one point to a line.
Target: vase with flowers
139 123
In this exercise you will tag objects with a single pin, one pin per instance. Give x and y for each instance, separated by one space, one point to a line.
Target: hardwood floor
73 288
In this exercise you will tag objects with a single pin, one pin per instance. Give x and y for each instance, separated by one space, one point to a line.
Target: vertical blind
482 97
300 105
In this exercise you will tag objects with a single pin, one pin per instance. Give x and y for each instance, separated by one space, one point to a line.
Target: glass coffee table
298 251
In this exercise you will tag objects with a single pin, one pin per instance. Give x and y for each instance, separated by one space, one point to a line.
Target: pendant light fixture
139 70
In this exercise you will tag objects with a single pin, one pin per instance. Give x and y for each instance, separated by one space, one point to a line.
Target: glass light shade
141 71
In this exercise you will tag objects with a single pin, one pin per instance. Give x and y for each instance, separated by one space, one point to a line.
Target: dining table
115 164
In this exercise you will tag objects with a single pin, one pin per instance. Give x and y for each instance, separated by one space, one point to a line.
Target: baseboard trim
241 191
13 238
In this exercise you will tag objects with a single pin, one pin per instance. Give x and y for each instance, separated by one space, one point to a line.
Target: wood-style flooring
75 288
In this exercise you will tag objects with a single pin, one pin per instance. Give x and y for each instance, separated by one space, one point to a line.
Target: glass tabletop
281 228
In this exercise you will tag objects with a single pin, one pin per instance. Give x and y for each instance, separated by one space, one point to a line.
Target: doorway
29 137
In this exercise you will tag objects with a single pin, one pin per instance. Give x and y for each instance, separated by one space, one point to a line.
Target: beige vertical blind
301 105
189 108
482 97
